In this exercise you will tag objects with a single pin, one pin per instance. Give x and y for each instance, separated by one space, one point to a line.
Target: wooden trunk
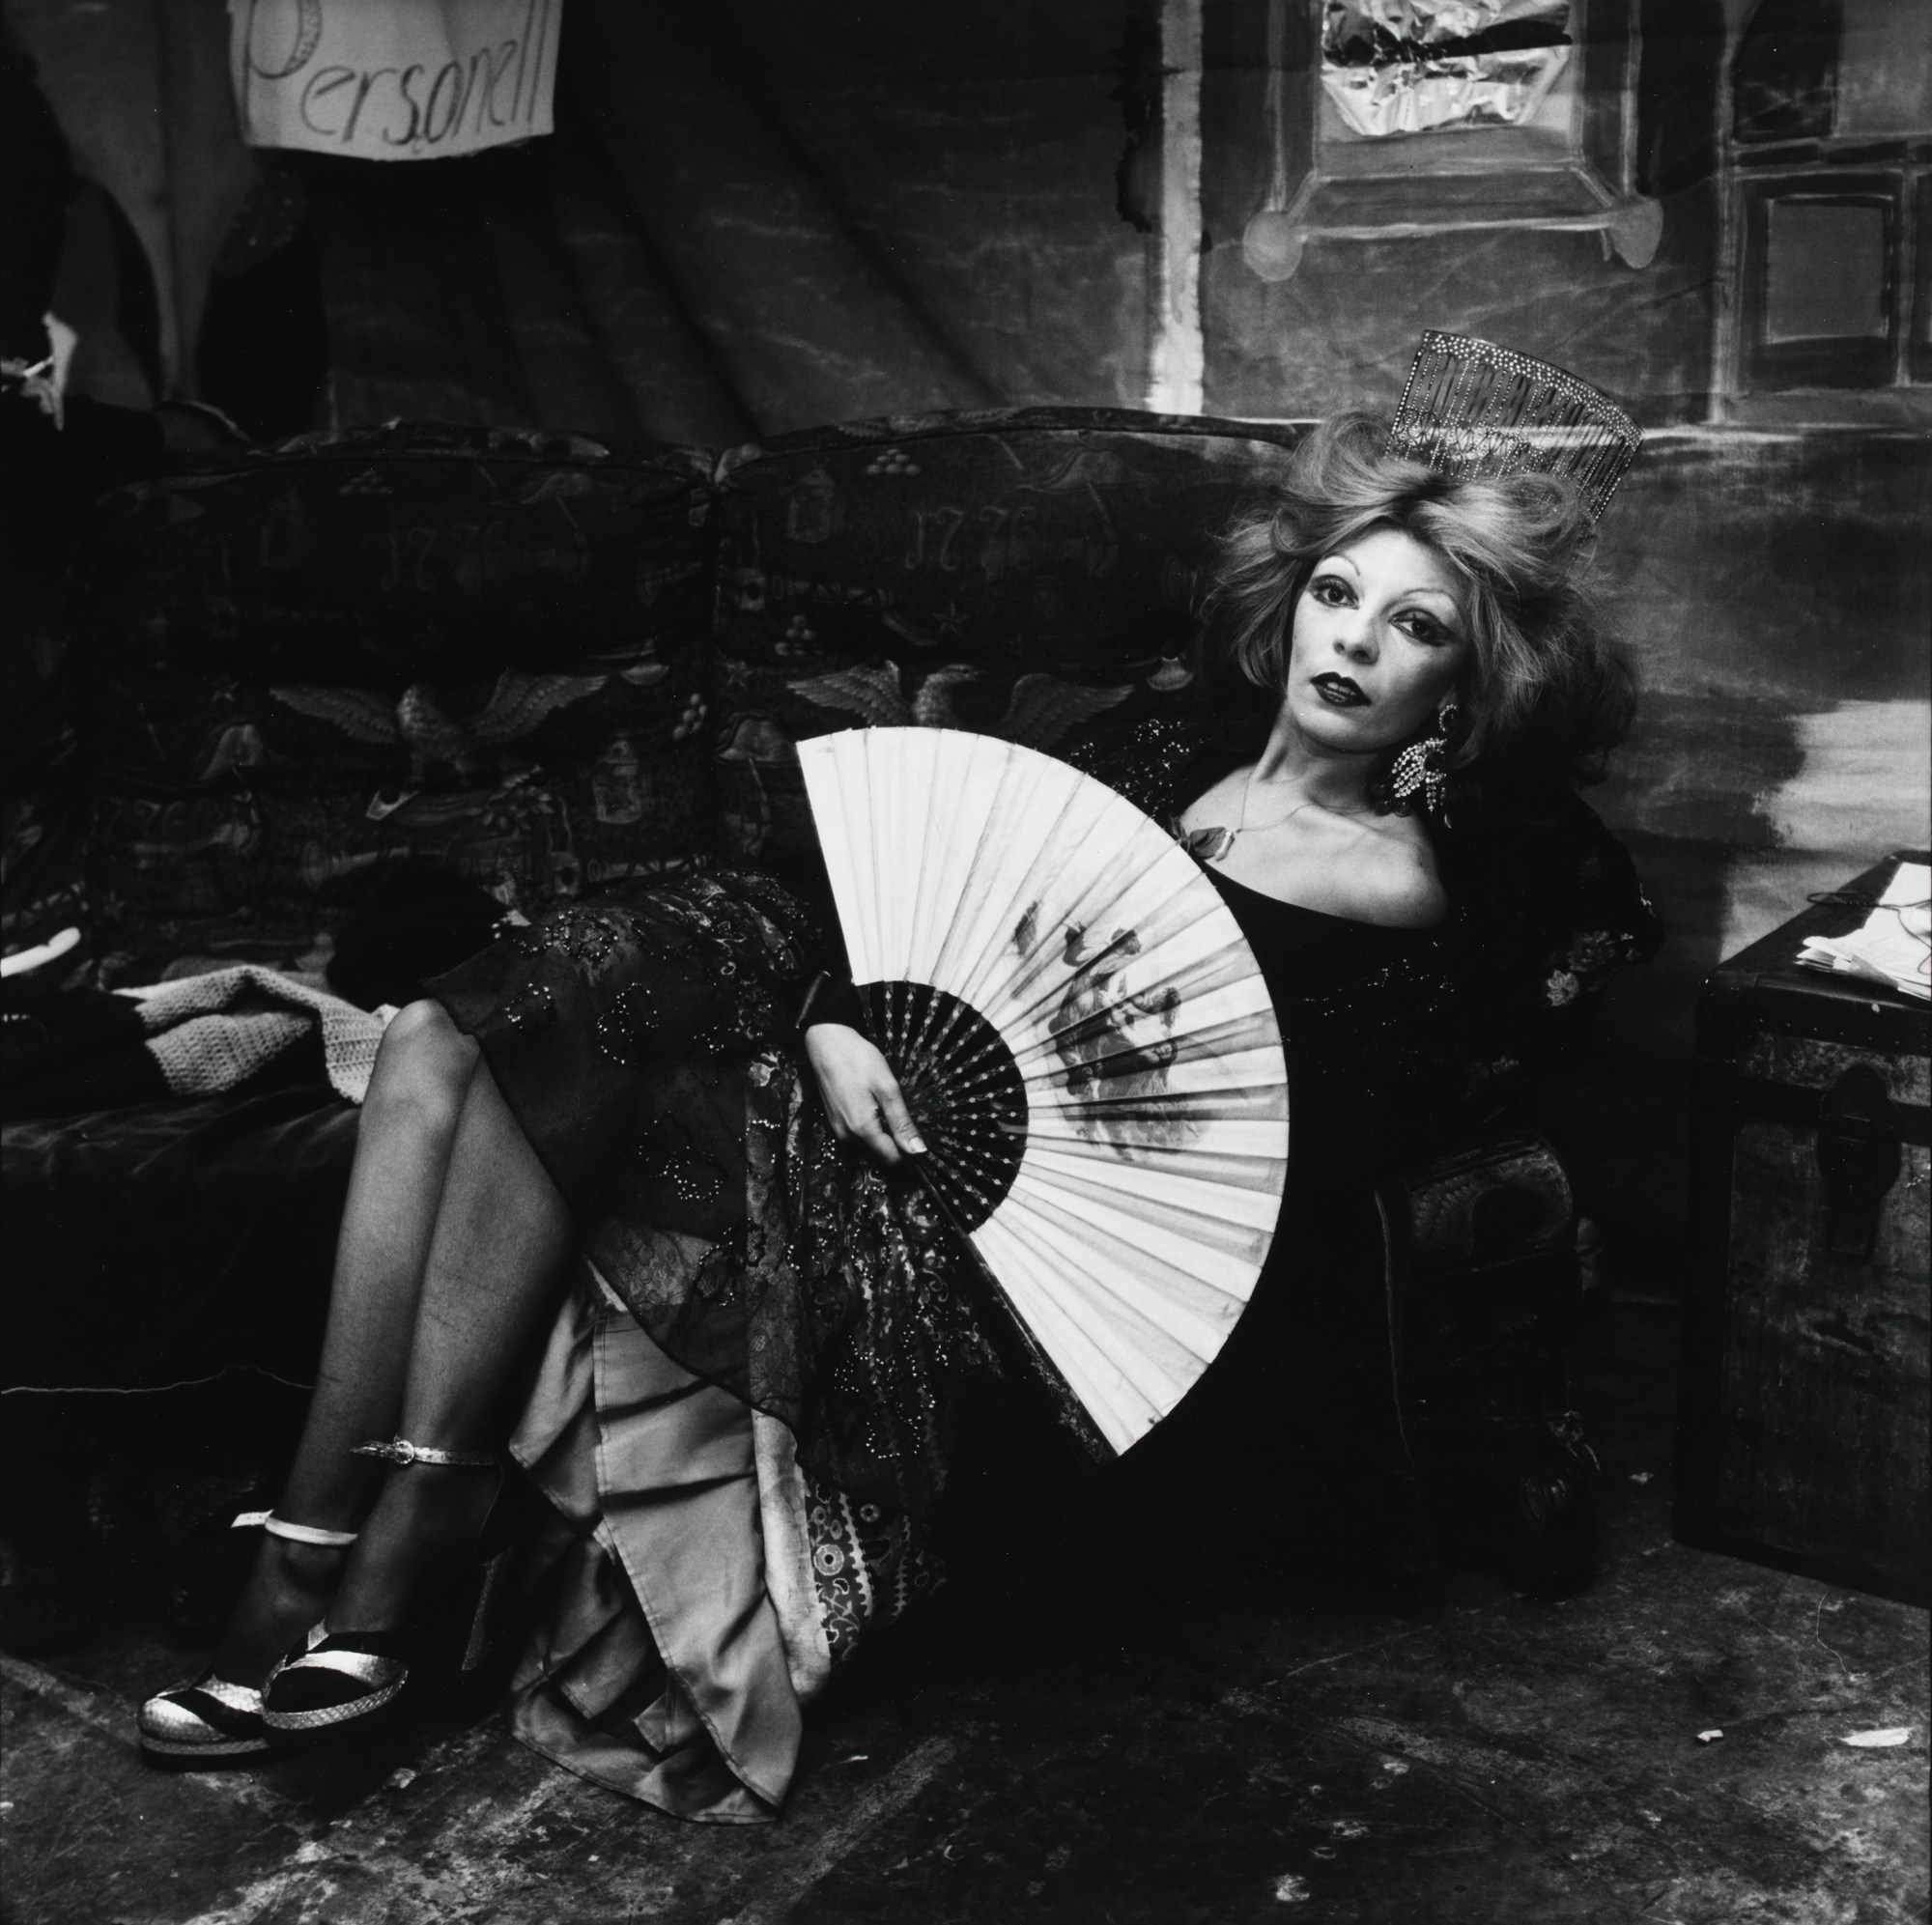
1804 1415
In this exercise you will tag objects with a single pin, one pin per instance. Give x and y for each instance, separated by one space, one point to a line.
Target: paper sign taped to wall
393 79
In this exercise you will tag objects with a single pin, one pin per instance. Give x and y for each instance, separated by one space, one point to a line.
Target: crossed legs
452 1244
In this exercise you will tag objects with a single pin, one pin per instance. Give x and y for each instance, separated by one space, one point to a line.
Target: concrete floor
1283 1749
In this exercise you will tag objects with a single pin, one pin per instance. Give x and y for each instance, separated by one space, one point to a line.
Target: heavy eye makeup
1332 592
1419 625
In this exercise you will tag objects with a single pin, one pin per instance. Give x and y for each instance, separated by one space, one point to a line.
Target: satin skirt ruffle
672 1652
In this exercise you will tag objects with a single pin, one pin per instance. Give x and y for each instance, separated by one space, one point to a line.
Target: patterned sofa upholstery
307 664
551 664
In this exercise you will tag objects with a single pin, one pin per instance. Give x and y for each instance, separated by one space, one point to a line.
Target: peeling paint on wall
1859 793
1176 363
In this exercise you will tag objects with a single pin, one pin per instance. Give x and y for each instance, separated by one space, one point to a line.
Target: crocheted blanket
212 1033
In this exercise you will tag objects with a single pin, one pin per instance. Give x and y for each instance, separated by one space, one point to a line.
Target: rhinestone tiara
1472 408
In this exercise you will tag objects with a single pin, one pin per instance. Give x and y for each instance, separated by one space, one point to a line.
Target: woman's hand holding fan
1083 1040
861 1094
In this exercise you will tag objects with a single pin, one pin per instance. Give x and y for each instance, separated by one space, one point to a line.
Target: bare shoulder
1393 881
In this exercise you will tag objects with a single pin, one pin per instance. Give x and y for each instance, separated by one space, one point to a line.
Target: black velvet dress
1315 1333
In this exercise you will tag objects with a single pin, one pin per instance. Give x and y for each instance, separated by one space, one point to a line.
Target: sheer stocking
495 1258
408 1130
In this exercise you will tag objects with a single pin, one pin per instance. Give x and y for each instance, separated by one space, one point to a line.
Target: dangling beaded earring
1422 769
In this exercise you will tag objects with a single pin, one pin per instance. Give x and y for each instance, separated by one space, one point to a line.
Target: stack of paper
1895 942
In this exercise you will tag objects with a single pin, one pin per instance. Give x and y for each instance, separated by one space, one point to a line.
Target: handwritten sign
393 79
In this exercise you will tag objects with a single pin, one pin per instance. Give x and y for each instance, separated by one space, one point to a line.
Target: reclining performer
626 1213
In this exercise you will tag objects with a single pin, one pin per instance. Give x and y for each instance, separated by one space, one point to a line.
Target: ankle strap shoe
336 1679
209 1723
203 1724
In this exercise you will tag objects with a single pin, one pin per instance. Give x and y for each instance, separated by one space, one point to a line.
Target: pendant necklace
1217 845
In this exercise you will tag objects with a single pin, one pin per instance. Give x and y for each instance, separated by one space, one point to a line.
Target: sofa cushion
1017 571
163 1243
481 647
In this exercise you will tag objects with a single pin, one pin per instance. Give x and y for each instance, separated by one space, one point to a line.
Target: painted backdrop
776 214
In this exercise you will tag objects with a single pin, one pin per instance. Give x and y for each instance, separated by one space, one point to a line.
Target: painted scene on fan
1113 990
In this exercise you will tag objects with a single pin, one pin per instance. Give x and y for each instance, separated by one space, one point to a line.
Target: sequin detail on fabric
644 1043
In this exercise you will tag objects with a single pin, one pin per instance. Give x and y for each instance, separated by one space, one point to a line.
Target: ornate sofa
546 665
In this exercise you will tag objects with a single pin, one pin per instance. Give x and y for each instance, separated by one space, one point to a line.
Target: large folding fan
1085 1041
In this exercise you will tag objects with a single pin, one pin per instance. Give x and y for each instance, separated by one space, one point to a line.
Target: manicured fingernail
917 1144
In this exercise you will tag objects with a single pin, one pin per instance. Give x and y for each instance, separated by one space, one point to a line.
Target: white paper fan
1085 1040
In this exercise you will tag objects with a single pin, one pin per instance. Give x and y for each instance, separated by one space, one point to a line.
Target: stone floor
1287 1748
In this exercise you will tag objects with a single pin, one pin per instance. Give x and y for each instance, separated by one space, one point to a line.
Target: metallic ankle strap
400 1451
296 1534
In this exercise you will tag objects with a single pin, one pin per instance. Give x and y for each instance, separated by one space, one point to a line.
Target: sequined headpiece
1472 408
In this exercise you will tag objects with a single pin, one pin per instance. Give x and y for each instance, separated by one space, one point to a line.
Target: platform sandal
336 1680
208 1722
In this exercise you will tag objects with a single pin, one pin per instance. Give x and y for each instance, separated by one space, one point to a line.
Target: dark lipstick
1338 689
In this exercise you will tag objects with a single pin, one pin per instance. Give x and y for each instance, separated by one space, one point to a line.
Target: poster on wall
393 79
